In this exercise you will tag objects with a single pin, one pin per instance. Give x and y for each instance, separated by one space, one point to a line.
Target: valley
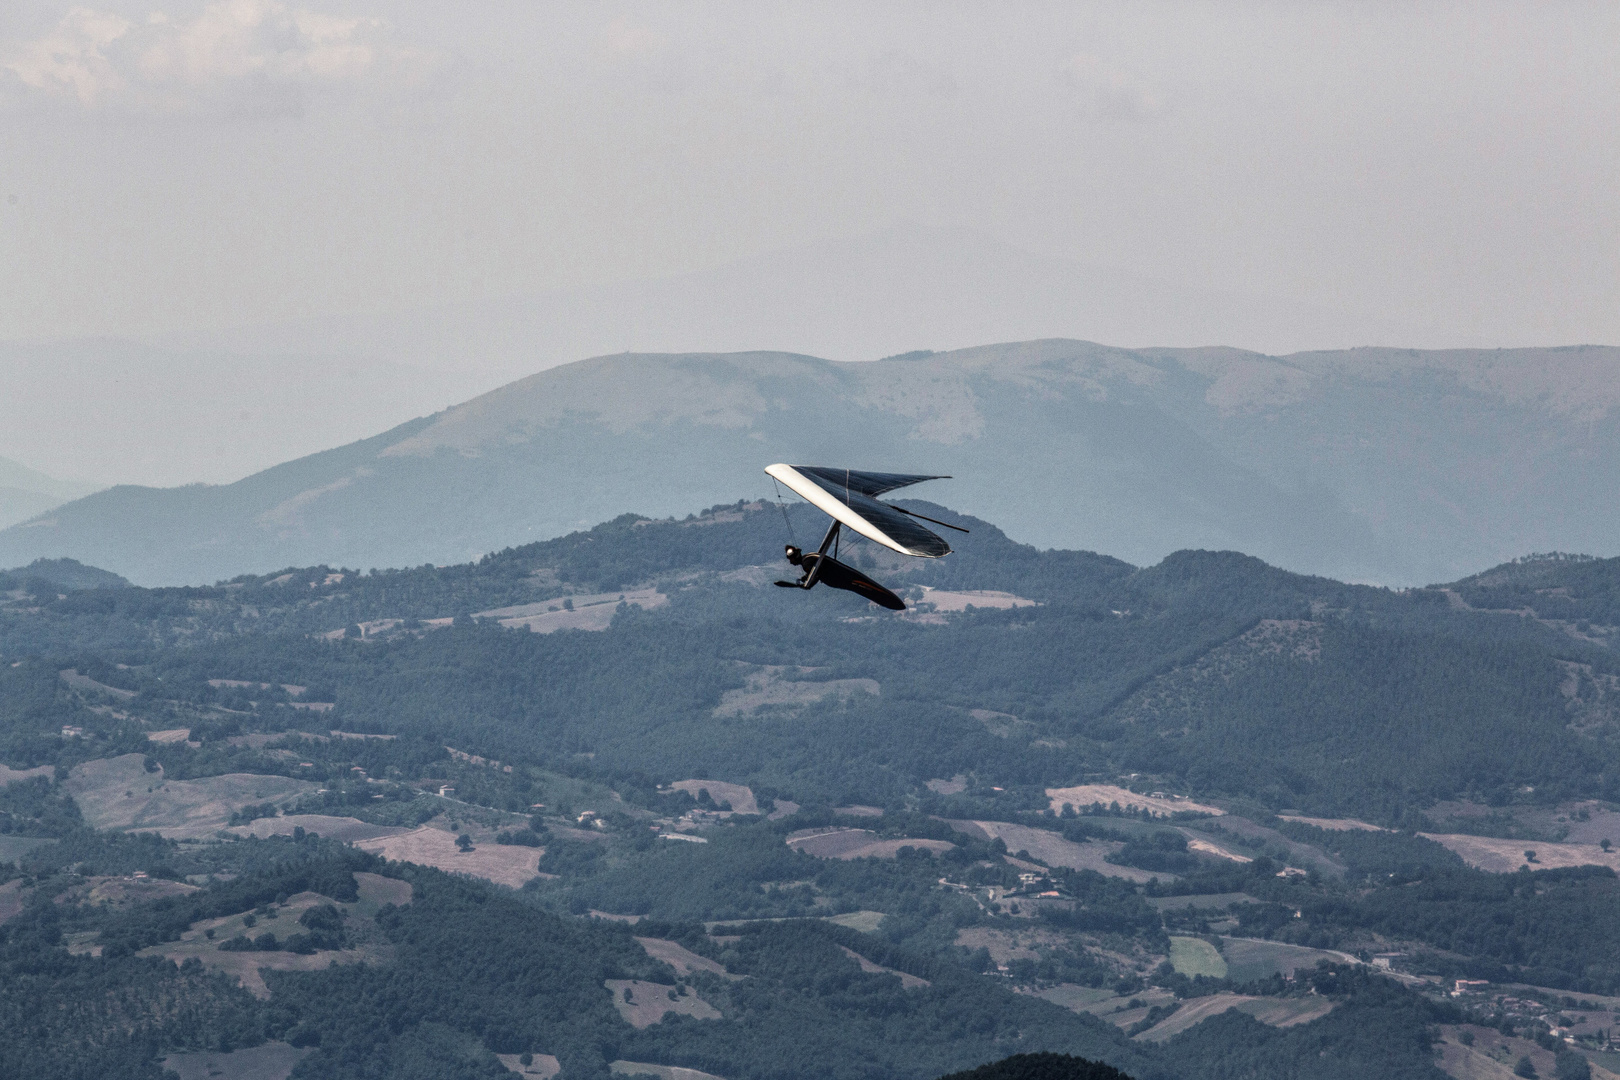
611 803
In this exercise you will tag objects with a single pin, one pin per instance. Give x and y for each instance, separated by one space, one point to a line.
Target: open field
589 612
1054 850
1506 856
866 922
856 844
1332 824
270 1061
1194 956
376 890
1248 959
543 1067
650 1002
1209 847
504 864
663 1072
682 959
1084 795
907 982
772 686
346 830
1278 1012
118 793
11 776
940 600
739 796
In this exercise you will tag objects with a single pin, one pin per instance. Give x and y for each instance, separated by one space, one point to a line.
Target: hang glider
850 498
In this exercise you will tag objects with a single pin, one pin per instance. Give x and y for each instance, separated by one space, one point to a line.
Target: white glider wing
850 497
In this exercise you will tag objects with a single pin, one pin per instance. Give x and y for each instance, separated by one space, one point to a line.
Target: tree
464 842
1571 1066
1524 1067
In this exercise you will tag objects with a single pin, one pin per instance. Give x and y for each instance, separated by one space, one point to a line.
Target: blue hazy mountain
1386 465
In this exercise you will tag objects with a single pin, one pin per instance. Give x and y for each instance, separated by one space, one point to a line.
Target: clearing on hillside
1054 850
1506 856
771 686
856 844
1192 956
1248 959
245 967
1084 795
907 982
542 1067
663 1072
650 1002
504 864
682 959
118 793
739 796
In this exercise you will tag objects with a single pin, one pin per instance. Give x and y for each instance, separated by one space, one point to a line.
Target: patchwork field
1054 850
650 1002
1506 856
428 846
118 793
1083 795
772 686
270 1061
1278 1012
856 844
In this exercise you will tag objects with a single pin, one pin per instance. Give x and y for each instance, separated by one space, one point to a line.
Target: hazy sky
169 165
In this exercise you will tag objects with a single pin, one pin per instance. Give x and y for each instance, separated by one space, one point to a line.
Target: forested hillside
1198 819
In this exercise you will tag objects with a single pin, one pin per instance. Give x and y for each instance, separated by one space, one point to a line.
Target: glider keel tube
848 497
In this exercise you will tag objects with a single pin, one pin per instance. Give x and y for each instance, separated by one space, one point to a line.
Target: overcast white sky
168 165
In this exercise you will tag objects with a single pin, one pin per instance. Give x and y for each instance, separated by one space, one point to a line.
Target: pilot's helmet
794 555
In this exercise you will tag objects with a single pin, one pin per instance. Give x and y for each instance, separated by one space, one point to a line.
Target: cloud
237 56
1110 92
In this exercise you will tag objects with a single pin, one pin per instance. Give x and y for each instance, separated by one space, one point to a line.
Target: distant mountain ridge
26 493
1388 465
